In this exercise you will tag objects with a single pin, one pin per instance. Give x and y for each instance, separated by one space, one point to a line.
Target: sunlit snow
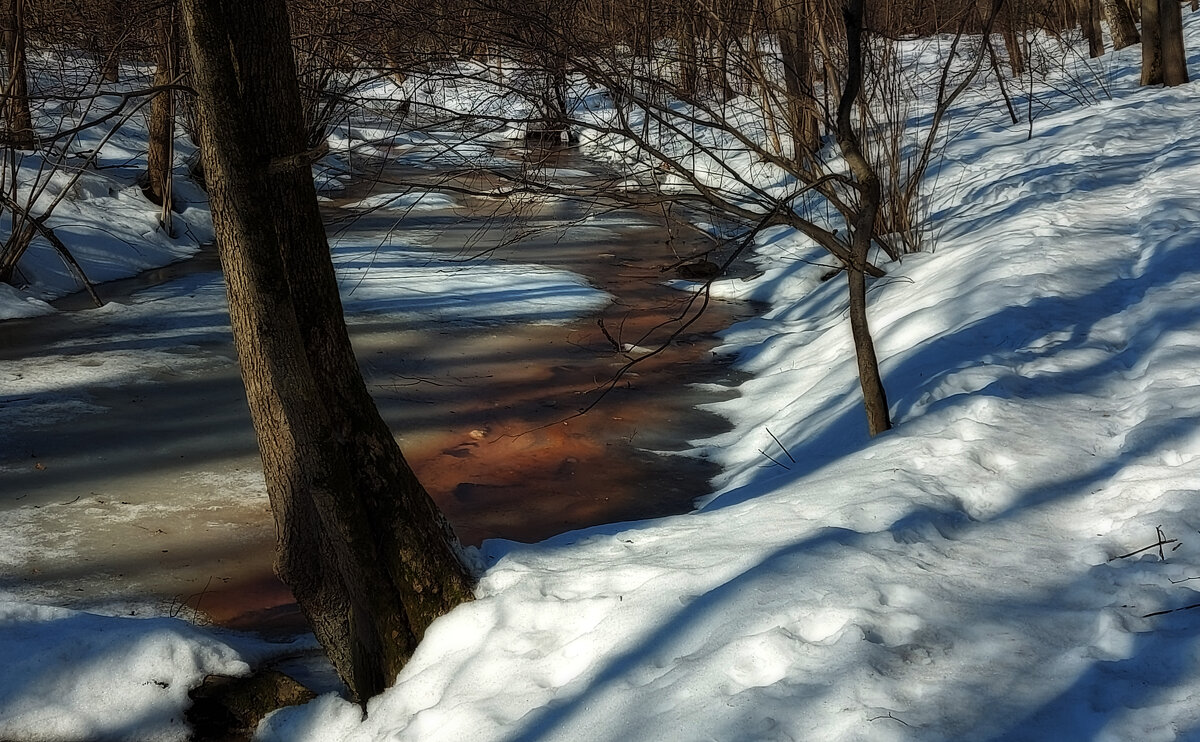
969 575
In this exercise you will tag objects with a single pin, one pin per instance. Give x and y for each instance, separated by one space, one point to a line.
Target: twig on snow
781 446
1172 610
1157 545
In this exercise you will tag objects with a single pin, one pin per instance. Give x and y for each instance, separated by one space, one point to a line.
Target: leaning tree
367 554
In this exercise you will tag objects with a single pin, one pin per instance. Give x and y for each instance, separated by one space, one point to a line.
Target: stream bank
146 485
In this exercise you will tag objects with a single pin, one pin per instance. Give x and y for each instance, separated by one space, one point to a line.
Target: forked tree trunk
1012 45
108 38
689 67
1089 23
367 554
18 120
110 67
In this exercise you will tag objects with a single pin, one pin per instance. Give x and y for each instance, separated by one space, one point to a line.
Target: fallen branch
1172 610
70 260
604 329
781 446
775 460
39 224
1157 545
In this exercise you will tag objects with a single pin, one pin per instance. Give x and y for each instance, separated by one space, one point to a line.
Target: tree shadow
1159 659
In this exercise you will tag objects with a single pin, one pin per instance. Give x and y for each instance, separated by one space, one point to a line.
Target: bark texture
161 150
1089 22
17 118
795 45
368 555
1120 23
1164 59
1151 44
1173 55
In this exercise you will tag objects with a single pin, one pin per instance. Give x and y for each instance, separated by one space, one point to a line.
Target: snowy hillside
974 574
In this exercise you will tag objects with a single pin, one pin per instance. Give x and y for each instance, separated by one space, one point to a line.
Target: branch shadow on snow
1159 655
544 722
1013 334
1108 687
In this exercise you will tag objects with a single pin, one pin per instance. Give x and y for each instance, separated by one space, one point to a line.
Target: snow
110 228
75 675
967 575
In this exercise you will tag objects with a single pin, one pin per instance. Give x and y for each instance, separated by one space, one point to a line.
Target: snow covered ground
970 575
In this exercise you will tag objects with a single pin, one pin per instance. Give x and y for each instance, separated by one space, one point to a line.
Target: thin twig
1145 548
608 336
774 460
781 447
1172 610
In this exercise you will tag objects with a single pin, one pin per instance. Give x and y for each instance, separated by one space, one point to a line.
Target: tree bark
1120 23
367 554
1089 23
17 117
1173 57
160 158
795 48
1151 44
689 68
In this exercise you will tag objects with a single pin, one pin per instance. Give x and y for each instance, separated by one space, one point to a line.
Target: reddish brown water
487 415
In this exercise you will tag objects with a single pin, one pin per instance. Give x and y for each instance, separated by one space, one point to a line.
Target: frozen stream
129 475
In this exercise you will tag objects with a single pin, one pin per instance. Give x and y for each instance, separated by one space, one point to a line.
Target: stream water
155 492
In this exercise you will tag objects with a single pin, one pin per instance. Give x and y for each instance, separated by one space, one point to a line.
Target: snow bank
104 220
72 675
962 577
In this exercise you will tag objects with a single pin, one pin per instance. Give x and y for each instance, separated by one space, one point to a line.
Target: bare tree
862 225
368 556
160 157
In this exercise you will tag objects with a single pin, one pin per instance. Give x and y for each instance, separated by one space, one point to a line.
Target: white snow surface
75 675
111 229
966 576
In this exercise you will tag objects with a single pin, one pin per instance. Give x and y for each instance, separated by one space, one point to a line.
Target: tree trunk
1120 23
1173 57
160 158
1151 44
1012 45
1089 23
17 118
368 556
110 67
862 228
795 48
869 378
689 68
